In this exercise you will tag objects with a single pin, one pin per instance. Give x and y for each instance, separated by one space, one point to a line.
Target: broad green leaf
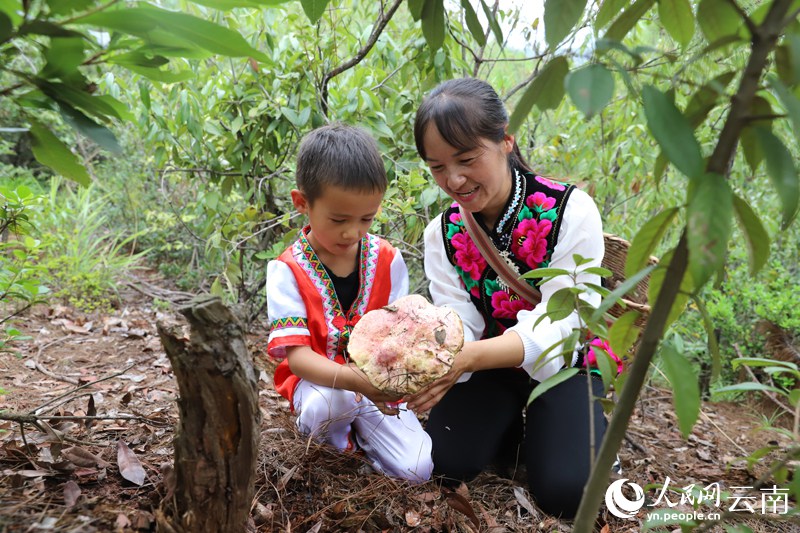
493 24
761 362
708 225
599 271
657 280
624 288
620 28
96 132
65 7
623 333
102 106
673 132
433 23
225 5
545 273
678 19
314 9
590 88
751 148
749 386
141 22
6 27
551 382
789 101
706 98
560 16
685 389
51 152
473 23
608 10
561 304
606 366
415 8
545 92
12 9
63 57
755 235
155 74
781 169
646 240
43 27
718 19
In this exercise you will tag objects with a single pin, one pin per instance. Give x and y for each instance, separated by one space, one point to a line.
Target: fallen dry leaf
459 503
129 465
80 457
519 494
71 493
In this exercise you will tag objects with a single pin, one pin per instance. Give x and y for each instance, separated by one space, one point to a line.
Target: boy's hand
386 402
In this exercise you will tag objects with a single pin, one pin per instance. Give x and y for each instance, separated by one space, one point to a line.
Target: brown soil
65 475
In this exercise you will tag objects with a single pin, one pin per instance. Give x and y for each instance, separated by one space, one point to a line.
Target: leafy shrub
82 257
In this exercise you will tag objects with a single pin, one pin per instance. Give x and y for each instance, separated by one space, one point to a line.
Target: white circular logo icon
618 504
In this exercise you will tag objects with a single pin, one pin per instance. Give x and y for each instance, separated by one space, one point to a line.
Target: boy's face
339 218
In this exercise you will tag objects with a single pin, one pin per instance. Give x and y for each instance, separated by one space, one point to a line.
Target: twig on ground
40 367
73 391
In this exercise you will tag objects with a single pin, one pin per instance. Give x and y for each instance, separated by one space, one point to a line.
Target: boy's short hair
339 155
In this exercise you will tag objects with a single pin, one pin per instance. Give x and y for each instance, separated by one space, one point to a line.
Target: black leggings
480 422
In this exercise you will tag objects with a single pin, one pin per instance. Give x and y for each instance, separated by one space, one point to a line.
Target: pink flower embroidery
507 306
591 356
529 240
467 256
455 218
540 200
551 184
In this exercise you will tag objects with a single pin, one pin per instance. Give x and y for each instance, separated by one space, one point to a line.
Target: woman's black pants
480 422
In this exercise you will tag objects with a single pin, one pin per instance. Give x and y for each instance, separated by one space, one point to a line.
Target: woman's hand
426 398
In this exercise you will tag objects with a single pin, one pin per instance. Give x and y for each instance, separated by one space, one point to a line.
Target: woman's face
478 179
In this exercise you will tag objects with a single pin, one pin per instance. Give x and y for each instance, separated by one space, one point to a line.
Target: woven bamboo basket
614 260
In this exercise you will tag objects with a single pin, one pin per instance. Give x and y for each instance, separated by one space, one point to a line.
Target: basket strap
492 256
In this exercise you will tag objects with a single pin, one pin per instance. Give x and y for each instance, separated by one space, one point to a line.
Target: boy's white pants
396 446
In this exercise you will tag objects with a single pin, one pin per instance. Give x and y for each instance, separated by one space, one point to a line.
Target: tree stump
216 442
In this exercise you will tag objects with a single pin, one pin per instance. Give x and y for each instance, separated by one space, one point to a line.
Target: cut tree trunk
216 442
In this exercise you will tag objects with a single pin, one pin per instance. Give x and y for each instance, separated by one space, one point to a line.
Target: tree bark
216 442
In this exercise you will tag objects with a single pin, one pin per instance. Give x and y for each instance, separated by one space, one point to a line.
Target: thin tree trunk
216 443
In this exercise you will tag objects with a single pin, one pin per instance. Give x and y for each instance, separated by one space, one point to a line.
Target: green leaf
433 23
43 27
141 22
787 58
657 280
546 91
624 288
63 57
599 271
762 362
225 5
415 8
155 74
751 147
623 333
673 132
493 24
755 234
314 9
473 23
781 169
12 9
749 386
608 10
718 19
706 98
620 28
685 389
6 27
678 19
590 88
646 240
65 7
51 152
551 382
96 132
789 101
560 305
560 16
545 273
711 337
708 225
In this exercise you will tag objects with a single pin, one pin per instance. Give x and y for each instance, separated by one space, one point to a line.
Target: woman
479 414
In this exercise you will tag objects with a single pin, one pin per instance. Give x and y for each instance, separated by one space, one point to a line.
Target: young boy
319 288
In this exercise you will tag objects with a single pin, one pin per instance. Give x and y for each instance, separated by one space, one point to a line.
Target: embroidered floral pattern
508 305
556 186
467 256
529 241
591 356
540 202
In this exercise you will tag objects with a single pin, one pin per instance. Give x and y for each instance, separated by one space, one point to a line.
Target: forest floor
73 475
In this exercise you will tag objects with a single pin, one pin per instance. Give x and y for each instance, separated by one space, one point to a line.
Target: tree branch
764 39
377 30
